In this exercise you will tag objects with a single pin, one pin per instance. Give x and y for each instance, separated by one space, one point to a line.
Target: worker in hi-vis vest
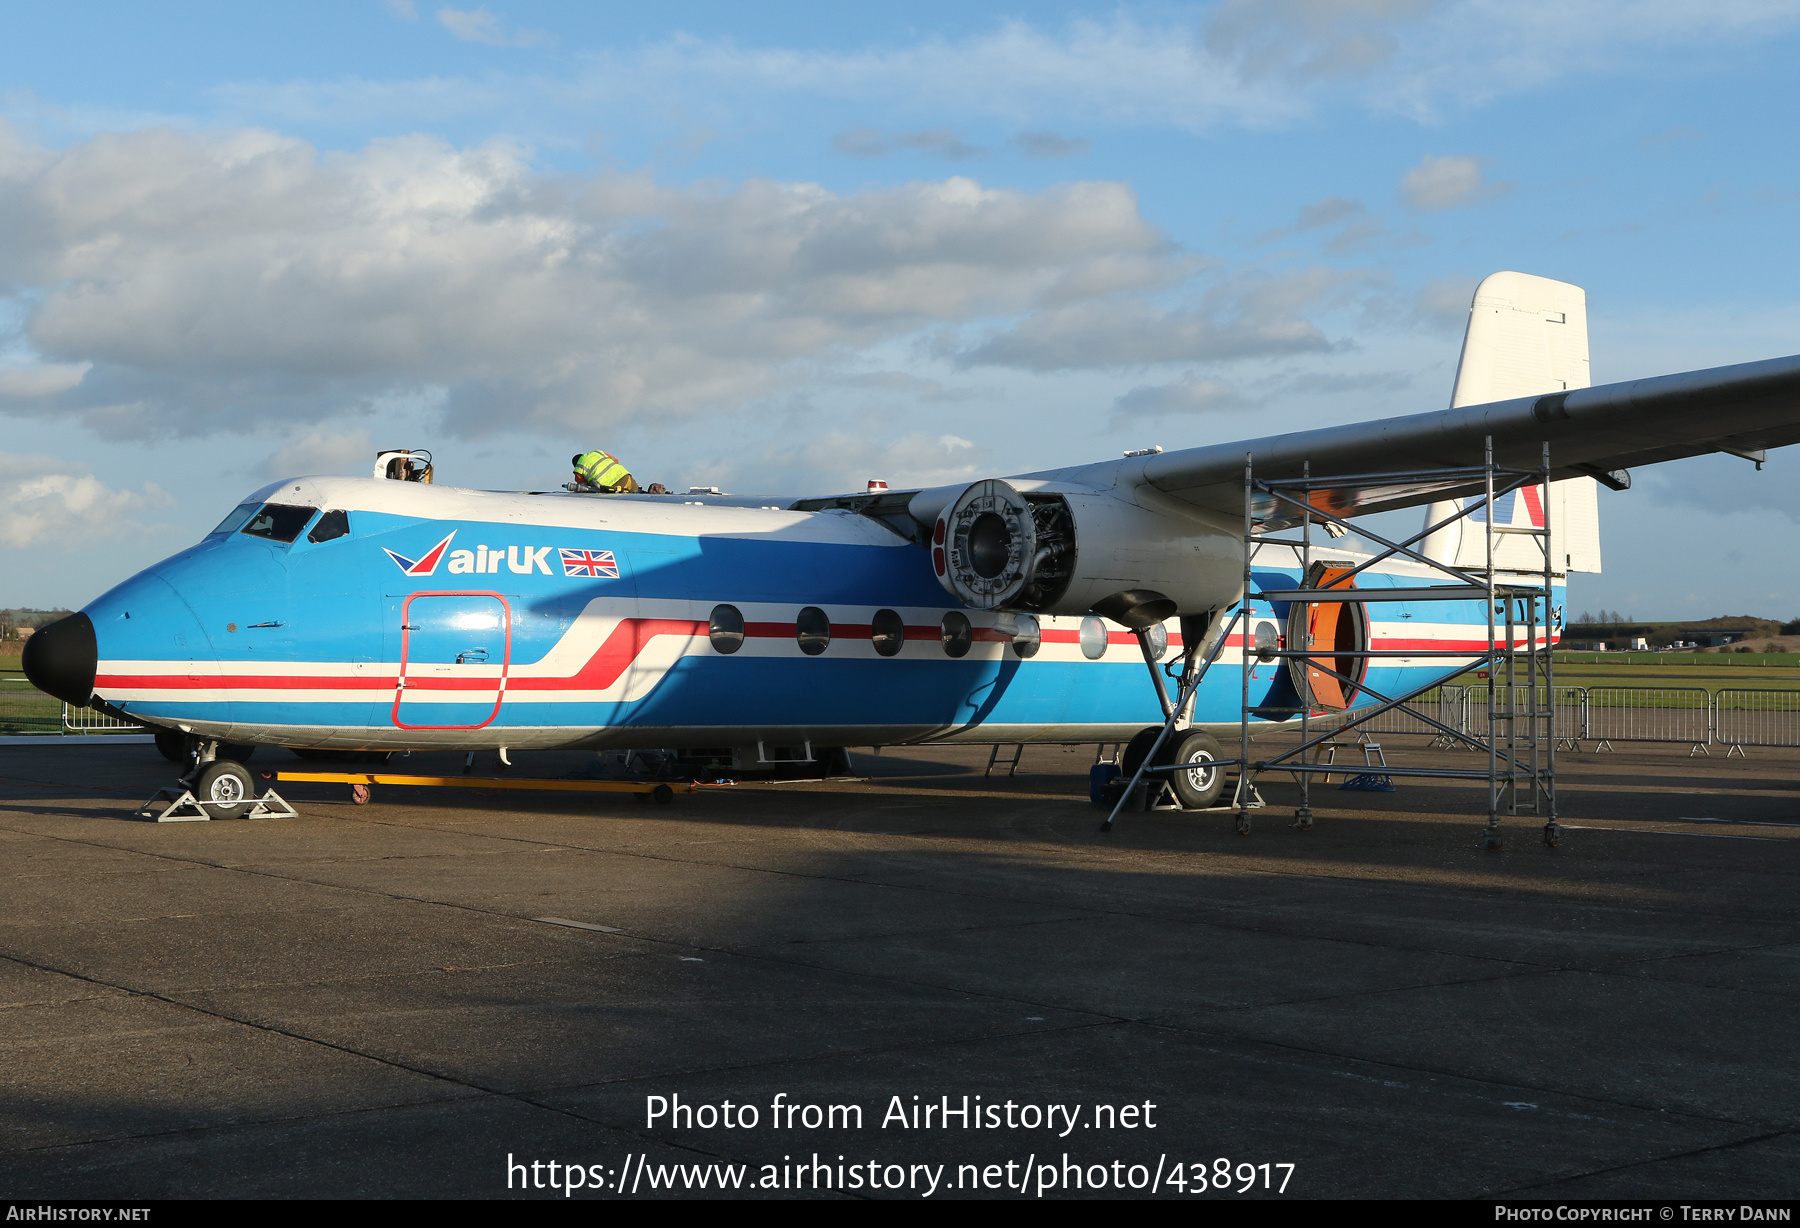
602 471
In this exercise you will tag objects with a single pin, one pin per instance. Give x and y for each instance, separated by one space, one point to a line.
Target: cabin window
1093 638
332 525
888 631
726 630
958 634
813 630
1026 636
234 519
279 522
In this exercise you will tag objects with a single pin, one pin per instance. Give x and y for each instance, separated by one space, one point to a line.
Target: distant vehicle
378 614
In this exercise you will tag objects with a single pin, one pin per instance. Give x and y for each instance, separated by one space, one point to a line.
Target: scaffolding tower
1520 734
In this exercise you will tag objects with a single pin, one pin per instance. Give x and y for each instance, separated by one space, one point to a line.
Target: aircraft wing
1599 432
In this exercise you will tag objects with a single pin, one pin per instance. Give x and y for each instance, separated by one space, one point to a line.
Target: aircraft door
455 650
1341 625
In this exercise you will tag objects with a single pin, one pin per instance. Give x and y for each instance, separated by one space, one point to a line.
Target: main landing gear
1171 766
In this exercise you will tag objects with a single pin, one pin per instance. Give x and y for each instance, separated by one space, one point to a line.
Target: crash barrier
1525 703
1692 716
1445 703
87 720
1756 718
1649 714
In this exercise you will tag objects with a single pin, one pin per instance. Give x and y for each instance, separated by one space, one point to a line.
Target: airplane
389 613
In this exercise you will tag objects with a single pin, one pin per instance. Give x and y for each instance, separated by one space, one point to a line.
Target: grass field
24 708
1709 671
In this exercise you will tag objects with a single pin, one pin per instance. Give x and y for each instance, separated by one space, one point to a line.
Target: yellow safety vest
602 470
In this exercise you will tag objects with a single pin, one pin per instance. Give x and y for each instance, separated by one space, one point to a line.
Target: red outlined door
455 650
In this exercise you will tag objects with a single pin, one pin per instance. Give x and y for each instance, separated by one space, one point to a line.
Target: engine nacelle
984 545
995 547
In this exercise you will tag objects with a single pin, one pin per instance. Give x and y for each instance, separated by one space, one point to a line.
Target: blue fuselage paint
520 635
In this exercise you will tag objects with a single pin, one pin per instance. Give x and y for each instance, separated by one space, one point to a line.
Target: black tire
1138 749
224 780
662 795
236 752
172 744
1197 789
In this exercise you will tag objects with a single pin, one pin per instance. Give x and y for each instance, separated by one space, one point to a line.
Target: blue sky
786 248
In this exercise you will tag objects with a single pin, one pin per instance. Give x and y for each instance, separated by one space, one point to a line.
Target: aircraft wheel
172 744
225 781
1137 750
1199 787
237 752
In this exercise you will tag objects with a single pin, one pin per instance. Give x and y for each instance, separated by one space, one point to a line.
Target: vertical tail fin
1527 335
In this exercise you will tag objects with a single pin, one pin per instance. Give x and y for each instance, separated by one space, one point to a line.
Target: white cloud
1445 301
1255 63
406 10
40 380
846 461
1308 38
1191 394
1050 145
481 26
1244 317
44 501
1446 182
873 143
322 451
241 280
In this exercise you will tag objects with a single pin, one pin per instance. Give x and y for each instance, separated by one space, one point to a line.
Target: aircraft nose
60 659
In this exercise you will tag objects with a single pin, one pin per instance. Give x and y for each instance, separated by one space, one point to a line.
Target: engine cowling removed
995 547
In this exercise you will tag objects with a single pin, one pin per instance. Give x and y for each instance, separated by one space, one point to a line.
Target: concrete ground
363 1001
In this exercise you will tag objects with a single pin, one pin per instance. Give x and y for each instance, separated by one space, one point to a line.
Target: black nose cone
60 659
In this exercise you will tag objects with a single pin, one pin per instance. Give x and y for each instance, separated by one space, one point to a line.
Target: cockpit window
234 519
333 524
279 522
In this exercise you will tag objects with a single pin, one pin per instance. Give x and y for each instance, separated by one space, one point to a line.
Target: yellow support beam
488 782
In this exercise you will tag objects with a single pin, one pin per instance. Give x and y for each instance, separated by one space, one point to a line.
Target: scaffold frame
1521 621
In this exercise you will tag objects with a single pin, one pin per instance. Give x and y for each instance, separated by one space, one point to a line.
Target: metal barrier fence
1445 703
1570 701
1649 714
1756 718
87 720
1688 715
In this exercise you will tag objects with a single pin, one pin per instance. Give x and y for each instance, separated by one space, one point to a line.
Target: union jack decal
596 563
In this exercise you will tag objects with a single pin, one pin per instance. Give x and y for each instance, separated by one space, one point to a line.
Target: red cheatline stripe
286 682
622 647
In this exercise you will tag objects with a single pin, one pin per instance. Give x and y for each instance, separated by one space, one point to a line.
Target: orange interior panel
1332 625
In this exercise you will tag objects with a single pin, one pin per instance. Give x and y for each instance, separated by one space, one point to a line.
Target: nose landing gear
215 787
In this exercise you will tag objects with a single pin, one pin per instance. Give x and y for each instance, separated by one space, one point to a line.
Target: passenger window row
887 631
